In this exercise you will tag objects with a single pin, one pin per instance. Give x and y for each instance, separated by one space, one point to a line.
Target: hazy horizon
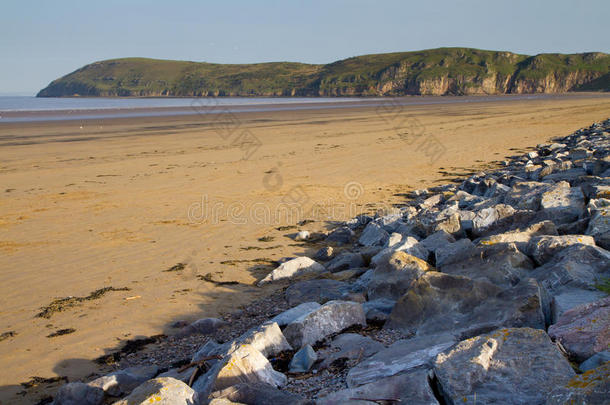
39 45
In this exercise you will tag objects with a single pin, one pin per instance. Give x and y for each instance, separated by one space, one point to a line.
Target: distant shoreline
105 113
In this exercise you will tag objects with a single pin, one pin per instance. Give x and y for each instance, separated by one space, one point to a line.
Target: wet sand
117 203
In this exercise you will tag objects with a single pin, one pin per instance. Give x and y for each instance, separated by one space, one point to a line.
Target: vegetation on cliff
443 71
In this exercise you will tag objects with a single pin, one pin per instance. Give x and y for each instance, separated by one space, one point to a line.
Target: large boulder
591 387
488 218
507 366
351 346
332 317
344 261
163 391
453 252
373 235
293 268
599 226
392 278
501 264
291 314
563 203
400 357
544 248
124 381
240 363
257 394
585 330
77 393
576 269
526 195
409 388
438 303
521 237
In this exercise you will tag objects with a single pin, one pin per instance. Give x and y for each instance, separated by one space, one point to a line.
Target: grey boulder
332 317
409 388
77 393
507 366
400 357
163 391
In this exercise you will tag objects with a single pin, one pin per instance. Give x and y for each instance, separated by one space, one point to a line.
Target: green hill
443 71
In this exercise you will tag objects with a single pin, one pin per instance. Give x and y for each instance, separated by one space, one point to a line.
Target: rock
293 313
574 228
438 303
340 236
454 252
302 235
164 391
324 254
526 195
599 227
575 267
351 346
124 381
332 317
257 394
544 248
392 278
205 326
209 348
391 222
431 201
501 264
520 237
303 360
373 235
410 388
563 203
436 241
266 338
585 330
591 388
402 356
345 275
394 239
569 299
344 261
507 366
378 310
77 393
321 291
241 363
595 361
532 155
408 245
293 268
487 219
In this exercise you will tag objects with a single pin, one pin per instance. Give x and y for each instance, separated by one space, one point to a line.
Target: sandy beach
133 217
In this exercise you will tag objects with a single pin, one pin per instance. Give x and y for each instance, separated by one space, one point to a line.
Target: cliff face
444 71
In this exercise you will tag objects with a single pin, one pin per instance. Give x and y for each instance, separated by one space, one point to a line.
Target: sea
15 109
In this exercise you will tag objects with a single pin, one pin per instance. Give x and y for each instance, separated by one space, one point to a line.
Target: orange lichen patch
590 378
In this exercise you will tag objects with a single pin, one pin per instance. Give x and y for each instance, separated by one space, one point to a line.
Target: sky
41 40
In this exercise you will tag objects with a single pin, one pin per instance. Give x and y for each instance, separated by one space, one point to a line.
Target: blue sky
41 40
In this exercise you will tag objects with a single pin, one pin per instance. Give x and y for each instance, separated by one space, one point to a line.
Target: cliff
443 71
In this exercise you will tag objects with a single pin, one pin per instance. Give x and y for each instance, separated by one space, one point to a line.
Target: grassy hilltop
443 71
